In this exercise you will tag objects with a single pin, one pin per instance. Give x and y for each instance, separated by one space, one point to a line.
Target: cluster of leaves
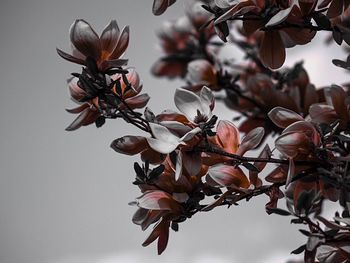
189 156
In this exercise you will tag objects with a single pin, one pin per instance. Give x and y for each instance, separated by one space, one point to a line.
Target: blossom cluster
191 160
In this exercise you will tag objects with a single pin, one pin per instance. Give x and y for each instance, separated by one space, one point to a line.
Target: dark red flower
105 49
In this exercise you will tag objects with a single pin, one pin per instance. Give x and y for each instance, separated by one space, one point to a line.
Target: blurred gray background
64 196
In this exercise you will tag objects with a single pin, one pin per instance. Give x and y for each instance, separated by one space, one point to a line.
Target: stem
241 159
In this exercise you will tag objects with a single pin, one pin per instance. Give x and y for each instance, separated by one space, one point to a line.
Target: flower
88 111
297 141
202 73
157 206
335 108
183 40
270 14
197 109
91 107
166 142
105 49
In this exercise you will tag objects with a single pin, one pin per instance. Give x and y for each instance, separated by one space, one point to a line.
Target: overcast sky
64 196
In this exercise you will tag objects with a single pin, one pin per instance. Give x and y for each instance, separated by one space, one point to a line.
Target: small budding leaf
251 167
100 121
279 211
299 250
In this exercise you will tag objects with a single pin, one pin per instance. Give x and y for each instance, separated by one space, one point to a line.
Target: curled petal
335 96
85 39
159 6
251 140
70 58
78 109
176 127
306 128
76 92
138 101
122 44
189 104
160 231
163 134
228 136
114 63
162 146
291 144
109 38
129 145
86 117
207 98
322 113
157 200
283 117
188 136
178 168
226 175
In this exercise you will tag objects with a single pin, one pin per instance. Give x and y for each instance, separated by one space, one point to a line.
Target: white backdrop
63 196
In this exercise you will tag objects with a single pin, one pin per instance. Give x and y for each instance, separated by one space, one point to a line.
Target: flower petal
176 127
162 146
283 117
188 103
163 134
227 175
122 44
69 57
109 37
208 100
138 101
188 136
157 200
228 136
85 39
251 140
178 168
272 51
129 145
159 7
335 96
76 92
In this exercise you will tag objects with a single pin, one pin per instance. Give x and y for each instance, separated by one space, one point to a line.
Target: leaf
305 232
250 167
299 250
156 172
337 35
100 121
279 211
